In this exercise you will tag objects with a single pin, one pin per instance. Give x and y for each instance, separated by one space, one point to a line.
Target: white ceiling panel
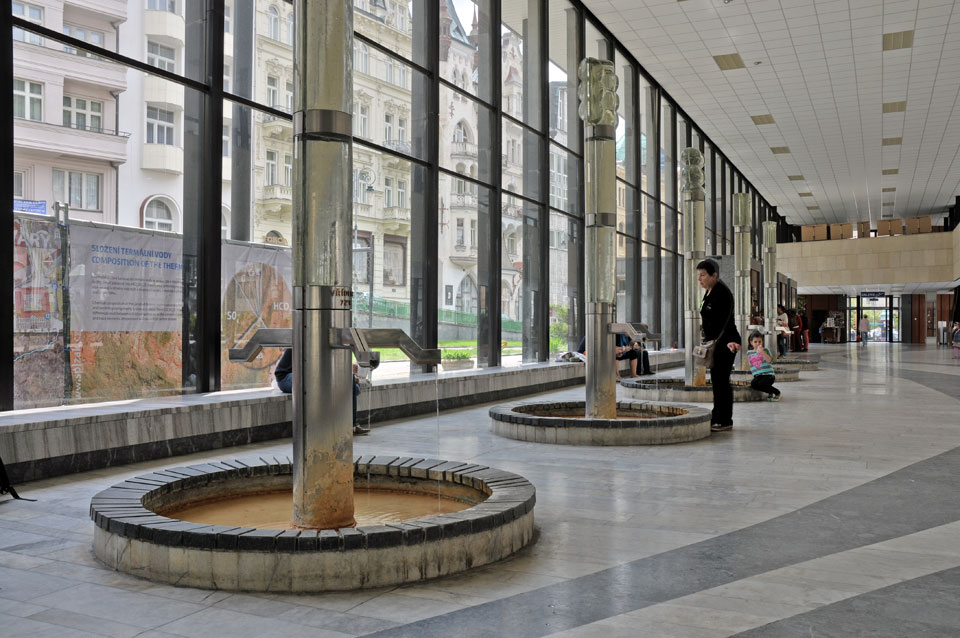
819 68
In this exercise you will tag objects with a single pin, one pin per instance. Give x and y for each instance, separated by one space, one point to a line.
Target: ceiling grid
834 81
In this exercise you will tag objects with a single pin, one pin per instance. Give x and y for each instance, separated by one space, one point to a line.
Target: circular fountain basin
489 516
564 423
783 374
804 364
676 390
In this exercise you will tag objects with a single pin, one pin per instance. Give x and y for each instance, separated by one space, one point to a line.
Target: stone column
322 265
694 251
597 91
742 220
770 285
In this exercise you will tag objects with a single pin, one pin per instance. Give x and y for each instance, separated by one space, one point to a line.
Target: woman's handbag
703 353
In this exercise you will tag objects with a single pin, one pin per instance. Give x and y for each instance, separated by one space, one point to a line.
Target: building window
80 190
82 33
158 216
83 114
459 231
226 141
273 91
401 193
459 133
289 97
394 261
467 294
271 175
473 232
402 129
290 26
362 120
162 57
387 128
562 110
226 20
387 192
170 6
361 259
359 188
361 58
273 23
30 13
227 76
28 100
388 72
17 185
288 170
224 224
160 126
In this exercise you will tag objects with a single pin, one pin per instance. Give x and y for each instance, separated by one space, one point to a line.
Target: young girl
955 338
761 367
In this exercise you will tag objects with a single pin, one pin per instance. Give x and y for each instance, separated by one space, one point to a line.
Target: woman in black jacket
716 321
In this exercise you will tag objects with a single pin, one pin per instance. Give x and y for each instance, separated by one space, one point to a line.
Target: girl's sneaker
774 398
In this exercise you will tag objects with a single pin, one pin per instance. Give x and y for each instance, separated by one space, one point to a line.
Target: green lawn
395 354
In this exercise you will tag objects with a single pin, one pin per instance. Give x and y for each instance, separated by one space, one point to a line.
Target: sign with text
873 295
125 280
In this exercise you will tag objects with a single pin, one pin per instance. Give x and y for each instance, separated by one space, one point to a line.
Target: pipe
694 251
322 268
598 109
770 285
742 220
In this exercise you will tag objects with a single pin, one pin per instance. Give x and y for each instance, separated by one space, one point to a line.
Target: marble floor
835 512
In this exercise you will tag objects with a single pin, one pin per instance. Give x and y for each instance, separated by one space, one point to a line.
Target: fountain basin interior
564 423
134 536
676 390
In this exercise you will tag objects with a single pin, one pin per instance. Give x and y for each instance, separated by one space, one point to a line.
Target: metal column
770 284
694 251
742 219
598 108
322 265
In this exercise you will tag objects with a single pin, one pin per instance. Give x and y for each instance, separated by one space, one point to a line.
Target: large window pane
463 124
565 331
565 174
562 74
650 270
520 285
521 160
521 75
386 110
626 121
463 252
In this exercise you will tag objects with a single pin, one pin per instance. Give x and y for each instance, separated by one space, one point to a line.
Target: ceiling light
780 150
892 141
898 40
795 178
813 208
890 171
729 62
888 203
762 119
805 194
895 107
889 189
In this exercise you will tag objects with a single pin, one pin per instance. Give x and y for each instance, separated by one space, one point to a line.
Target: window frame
29 99
66 183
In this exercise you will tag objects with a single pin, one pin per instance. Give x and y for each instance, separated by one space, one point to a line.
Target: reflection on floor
832 512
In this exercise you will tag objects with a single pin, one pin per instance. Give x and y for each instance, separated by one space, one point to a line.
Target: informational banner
125 280
255 289
873 295
37 265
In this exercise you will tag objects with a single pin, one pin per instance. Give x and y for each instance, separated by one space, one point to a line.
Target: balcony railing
395 213
401 146
464 149
97 129
463 200
277 191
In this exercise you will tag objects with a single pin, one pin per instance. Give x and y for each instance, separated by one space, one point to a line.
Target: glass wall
467 229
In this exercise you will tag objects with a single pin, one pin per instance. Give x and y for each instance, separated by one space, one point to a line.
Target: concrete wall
878 260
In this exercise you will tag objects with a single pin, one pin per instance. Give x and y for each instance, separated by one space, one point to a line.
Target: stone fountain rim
508 413
119 509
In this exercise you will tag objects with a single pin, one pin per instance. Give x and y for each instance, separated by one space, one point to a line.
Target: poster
255 293
125 280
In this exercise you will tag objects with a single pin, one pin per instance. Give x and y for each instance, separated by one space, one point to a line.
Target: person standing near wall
783 330
717 324
863 327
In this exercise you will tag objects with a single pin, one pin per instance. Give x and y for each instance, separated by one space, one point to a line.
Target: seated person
625 350
641 347
284 376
